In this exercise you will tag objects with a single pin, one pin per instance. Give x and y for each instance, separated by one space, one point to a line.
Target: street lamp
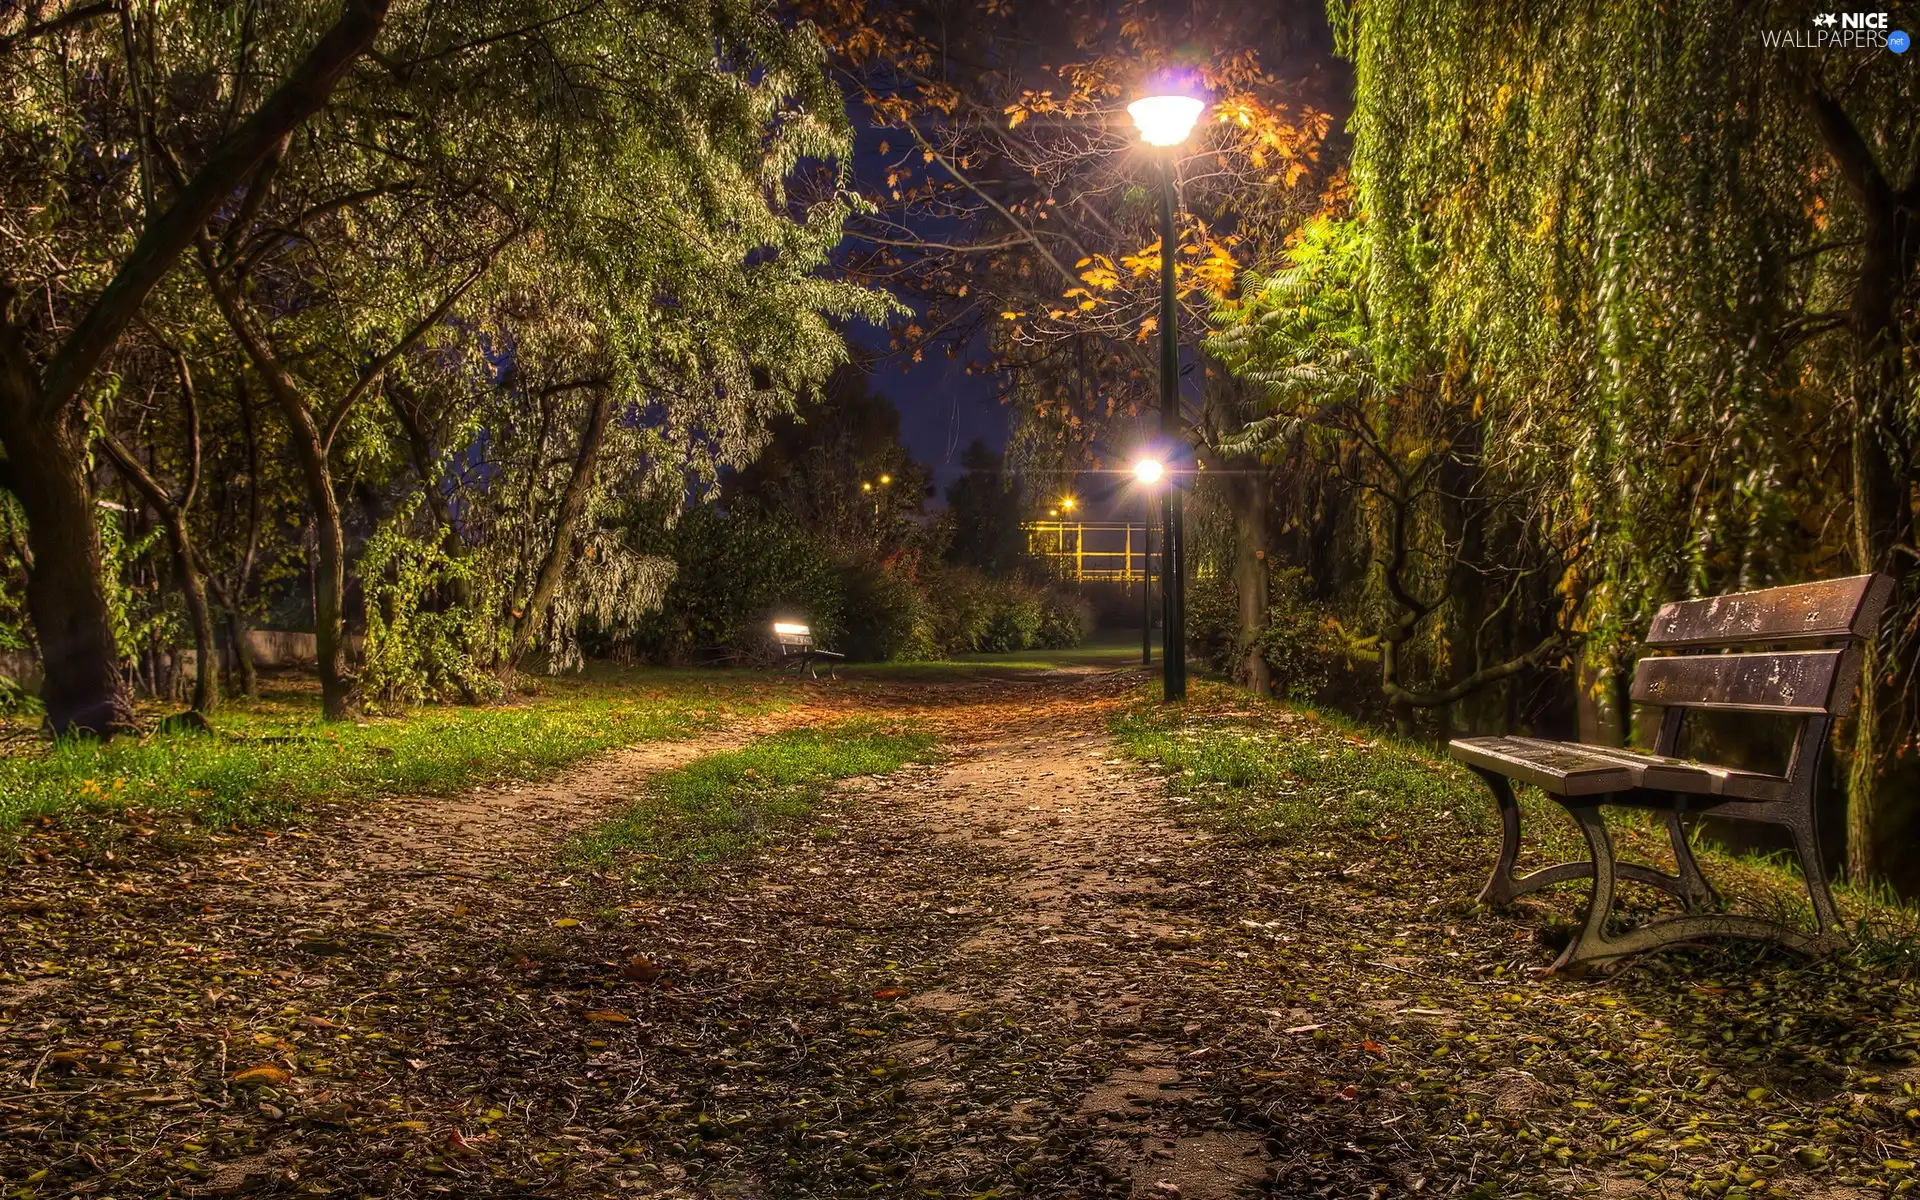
1148 471
1164 121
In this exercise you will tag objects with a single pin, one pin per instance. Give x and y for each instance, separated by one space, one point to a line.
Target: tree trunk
330 589
84 691
246 673
1252 580
1882 787
573 502
173 518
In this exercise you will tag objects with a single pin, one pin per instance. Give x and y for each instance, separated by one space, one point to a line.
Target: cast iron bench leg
1503 886
1694 890
1595 951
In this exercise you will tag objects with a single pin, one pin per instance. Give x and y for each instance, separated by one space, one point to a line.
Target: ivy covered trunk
1883 784
72 620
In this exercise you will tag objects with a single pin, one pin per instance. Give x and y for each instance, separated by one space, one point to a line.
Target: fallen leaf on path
261 1076
607 1015
890 993
640 969
463 1146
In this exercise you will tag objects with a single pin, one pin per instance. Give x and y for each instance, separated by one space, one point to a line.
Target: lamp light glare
885 480
787 627
1069 503
1148 470
1165 120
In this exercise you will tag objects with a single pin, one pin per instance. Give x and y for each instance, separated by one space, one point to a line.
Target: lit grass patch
272 759
1277 772
1288 775
726 805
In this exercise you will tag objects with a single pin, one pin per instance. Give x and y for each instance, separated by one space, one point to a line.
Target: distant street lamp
1148 471
1164 121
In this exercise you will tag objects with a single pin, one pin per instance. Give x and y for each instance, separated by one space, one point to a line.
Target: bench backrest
1834 615
788 635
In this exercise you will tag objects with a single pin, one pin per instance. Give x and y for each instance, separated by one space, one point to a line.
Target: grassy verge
1281 774
1725 1069
274 757
725 805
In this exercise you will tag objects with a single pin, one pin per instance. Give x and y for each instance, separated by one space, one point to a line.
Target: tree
636 318
985 506
1400 432
836 466
73 86
1681 264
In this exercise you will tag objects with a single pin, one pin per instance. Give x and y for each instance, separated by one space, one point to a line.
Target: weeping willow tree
1681 264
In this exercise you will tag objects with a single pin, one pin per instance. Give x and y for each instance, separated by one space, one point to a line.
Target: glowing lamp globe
1165 120
1148 470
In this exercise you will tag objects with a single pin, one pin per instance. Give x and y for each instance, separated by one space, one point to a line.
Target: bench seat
1571 769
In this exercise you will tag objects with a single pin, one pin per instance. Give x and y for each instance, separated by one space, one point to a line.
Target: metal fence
1108 551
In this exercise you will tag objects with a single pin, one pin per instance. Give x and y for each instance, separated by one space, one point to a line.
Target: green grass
726 805
1282 771
1286 774
1104 654
272 758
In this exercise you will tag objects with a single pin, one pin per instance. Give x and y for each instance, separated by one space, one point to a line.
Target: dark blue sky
942 408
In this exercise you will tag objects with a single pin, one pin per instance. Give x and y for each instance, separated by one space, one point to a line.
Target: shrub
885 615
1014 623
1066 618
737 573
1299 643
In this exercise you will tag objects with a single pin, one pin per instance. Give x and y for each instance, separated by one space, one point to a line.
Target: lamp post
1148 471
1164 121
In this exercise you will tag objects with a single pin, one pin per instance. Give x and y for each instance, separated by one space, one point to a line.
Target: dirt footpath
1008 973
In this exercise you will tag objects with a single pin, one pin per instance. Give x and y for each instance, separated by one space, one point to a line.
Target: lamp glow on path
1148 470
1165 120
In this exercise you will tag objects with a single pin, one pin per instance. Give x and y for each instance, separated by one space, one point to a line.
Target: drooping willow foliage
1630 240
1607 209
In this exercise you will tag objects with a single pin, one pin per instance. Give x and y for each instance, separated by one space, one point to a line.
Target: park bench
797 651
1814 632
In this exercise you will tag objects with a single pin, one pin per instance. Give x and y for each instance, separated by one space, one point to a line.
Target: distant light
1053 512
885 480
1148 470
866 487
1165 120
1068 503
785 627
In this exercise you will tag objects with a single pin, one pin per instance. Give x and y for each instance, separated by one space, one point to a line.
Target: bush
1300 645
737 573
1014 623
885 615
1066 619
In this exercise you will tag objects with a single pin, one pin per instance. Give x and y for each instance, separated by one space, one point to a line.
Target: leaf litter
1028 970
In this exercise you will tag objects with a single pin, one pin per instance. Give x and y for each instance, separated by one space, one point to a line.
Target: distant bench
797 651
1815 682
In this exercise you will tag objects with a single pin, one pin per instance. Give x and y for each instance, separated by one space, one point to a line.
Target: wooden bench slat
1663 774
1790 681
1558 767
1824 611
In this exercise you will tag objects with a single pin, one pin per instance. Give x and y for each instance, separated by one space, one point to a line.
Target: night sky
942 408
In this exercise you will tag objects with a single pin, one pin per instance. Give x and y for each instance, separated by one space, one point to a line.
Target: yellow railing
1111 551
